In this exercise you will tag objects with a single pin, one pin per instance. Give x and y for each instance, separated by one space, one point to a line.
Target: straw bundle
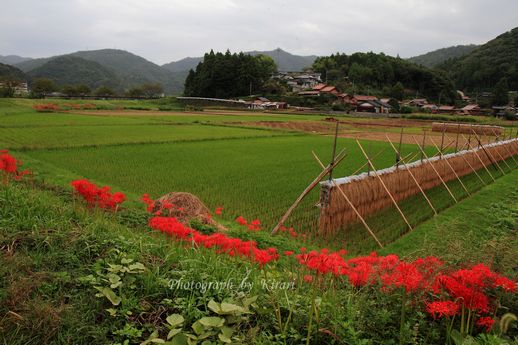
368 195
467 128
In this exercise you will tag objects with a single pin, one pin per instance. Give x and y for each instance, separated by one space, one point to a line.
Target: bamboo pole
491 158
453 170
413 177
384 186
509 151
364 164
308 189
352 206
480 159
438 175
503 159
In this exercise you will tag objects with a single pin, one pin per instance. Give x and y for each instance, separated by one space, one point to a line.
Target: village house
470 109
430 108
446 109
297 81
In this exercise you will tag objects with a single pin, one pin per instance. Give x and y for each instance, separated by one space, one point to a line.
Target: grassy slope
482 227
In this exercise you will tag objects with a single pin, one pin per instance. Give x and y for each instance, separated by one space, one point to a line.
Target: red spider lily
9 165
308 278
220 242
241 221
288 253
218 211
45 108
150 203
442 309
255 225
486 322
98 196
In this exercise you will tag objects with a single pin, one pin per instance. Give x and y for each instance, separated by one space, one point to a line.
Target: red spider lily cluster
10 167
218 211
46 107
150 203
254 225
98 196
223 244
444 293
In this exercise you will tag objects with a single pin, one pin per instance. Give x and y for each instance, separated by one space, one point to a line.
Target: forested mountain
72 70
485 66
379 73
229 75
126 69
12 59
436 57
285 61
12 73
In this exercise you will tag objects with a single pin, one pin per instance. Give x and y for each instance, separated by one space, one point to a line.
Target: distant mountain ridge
285 61
436 57
13 59
128 70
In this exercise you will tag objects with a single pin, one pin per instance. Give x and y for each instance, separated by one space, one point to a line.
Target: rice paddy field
224 157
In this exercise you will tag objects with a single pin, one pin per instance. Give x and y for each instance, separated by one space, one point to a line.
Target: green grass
480 228
72 136
254 177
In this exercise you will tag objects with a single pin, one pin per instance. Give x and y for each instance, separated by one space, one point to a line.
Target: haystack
185 207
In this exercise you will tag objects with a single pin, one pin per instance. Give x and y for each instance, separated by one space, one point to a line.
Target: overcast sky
168 30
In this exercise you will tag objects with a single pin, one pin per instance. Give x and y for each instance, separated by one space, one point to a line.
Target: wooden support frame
355 210
491 158
509 151
384 186
480 159
453 170
308 189
413 177
436 172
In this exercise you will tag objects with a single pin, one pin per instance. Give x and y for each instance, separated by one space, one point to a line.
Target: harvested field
467 128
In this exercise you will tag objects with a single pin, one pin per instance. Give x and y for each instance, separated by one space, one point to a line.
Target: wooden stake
384 186
438 175
308 189
480 159
491 158
424 140
364 164
352 206
398 151
453 170
509 151
415 180
457 140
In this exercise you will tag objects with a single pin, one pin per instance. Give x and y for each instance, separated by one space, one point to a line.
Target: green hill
381 74
11 72
70 70
129 69
436 57
487 64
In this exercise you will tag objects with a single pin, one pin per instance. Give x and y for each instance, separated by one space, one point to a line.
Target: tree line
229 75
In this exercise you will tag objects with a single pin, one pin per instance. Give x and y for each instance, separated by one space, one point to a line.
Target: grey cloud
166 30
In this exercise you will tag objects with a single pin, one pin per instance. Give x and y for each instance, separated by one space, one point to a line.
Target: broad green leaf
175 320
198 328
108 293
125 261
179 339
215 307
137 266
224 338
248 301
210 321
227 331
228 308
173 332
